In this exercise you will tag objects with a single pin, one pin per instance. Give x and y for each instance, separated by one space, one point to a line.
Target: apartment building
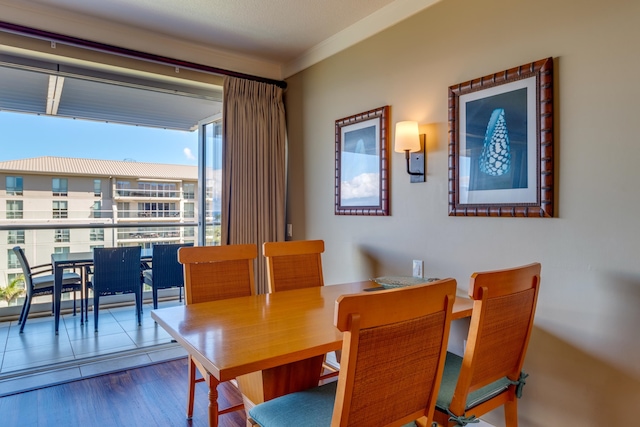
59 204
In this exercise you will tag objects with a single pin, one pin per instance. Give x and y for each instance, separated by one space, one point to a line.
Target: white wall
583 357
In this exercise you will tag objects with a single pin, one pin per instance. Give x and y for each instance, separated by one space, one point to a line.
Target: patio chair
165 272
490 373
214 273
116 271
38 283
394 348
295 265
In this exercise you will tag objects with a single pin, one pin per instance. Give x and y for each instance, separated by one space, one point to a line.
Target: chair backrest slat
218 272
294 264
393 353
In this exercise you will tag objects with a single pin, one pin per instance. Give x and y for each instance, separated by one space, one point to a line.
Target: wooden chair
165 272
214 273
393 350
38 280
490 373
295 265
116 271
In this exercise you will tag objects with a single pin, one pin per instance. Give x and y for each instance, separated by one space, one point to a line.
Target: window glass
96 234
61 250
97 208
97 187
60 209
189 191
15 237
62 235
14 209
59 186
14 185
189 210
12 259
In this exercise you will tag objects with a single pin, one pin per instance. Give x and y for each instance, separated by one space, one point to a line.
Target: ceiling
286 35
279 31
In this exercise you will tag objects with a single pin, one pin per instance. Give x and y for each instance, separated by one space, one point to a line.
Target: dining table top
237 336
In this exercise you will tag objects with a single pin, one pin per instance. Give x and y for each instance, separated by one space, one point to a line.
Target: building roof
105 168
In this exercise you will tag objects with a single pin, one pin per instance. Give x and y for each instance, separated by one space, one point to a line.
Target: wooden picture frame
501 143
362 163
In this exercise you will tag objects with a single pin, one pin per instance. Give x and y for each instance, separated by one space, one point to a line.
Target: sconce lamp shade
407 137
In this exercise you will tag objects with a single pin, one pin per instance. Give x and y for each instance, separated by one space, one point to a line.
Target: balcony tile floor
38 357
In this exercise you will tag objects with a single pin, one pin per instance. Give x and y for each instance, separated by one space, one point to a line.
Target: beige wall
583 357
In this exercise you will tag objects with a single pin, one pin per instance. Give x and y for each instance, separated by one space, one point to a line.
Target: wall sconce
411 142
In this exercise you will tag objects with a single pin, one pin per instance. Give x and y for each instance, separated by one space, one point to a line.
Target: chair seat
46 281
452 367
309 408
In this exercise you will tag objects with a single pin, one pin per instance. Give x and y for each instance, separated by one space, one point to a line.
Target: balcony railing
38 240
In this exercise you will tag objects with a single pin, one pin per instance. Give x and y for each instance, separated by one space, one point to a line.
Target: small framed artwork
501 143
362 163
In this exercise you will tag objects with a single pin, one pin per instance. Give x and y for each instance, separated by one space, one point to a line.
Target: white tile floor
38 357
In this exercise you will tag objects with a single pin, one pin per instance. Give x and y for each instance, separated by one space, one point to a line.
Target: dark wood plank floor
150 396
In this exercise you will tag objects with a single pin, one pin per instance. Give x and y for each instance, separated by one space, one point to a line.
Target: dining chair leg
25 308
511 413
192 387
96 303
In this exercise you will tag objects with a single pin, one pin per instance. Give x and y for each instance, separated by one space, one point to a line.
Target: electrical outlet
418 268
289 230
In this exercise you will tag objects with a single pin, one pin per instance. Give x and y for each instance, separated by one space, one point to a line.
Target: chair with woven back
116 271
490 373
214 273
393 354
165 272
296 264
38 281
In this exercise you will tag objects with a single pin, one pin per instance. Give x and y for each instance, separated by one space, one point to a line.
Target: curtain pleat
254 167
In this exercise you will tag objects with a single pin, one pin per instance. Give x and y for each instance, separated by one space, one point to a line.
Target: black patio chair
38 283
165 272
116 271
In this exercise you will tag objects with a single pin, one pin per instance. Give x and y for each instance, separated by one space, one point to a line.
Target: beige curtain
253 186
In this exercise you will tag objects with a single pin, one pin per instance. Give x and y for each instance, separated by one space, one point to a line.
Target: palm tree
13 290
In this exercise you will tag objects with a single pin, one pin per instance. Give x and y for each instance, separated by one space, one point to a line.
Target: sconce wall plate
417 161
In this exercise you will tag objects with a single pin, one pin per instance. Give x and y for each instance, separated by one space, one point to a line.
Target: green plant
13 290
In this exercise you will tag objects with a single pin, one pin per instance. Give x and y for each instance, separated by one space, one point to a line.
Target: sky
27 135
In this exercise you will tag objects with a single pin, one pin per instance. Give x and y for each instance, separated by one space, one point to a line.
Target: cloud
363 185
188 154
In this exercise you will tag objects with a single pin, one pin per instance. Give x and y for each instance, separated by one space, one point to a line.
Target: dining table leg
213 400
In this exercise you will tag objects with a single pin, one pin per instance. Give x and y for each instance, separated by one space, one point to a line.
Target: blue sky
26 135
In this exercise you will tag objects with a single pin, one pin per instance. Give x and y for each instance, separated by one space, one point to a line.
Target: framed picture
362 163
501 143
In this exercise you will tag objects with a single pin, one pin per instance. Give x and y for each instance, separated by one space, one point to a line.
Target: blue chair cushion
309 408
450 375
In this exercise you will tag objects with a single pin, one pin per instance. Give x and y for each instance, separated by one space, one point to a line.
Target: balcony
77 350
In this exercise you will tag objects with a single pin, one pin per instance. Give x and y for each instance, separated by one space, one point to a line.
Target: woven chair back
294 264
393 353
116 270
504 308
218 272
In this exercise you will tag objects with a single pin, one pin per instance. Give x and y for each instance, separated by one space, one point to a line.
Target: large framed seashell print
362 163
501 143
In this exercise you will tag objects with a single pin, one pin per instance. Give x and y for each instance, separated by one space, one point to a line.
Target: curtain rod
87 44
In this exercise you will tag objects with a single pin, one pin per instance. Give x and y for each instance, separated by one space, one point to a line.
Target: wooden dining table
273 344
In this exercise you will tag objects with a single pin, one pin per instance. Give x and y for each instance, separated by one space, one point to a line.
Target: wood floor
149 396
